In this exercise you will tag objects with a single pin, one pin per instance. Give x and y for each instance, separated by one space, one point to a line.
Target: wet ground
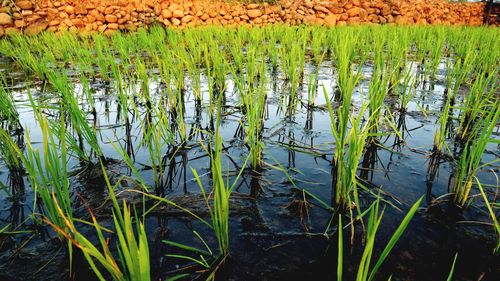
277 231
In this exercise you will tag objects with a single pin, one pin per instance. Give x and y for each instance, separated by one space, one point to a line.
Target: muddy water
275 234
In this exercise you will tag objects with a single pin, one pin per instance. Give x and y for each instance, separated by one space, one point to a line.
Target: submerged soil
277 232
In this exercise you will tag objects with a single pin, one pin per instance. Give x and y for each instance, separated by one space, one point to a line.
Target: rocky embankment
108 16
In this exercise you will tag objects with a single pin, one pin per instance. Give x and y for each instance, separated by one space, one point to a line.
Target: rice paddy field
272 153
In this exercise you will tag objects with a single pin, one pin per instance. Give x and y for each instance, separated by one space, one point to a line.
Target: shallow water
272 236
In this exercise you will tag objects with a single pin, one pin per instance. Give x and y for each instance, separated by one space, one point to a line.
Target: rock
176 22
19 23
2 31
178 13
69 9
309 19
401 20
166 14
54 22
36 27
78 22
330 20
24 5
113 26
354 20
187 19
205 17
5 19
108 10
320 8
81 9
252 6
356 11
111 18
254 13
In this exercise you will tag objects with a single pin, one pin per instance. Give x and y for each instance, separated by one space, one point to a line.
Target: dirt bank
108 16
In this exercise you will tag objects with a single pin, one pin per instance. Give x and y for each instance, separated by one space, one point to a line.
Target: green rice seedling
450 275
492 214
255 103
367 271
344 55
398 45
219 209
407 89
156 138
133 263
349 145
292 64
317 45
442 130
470 160
48 174
378 89
435 51
77 118
9 151
477 103
49 178
253 96
8 111
462 66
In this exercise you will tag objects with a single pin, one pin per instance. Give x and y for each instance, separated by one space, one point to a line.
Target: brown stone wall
108 16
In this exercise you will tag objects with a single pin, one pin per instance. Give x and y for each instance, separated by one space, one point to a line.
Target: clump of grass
470 160
132 244
219 209
367 271
349 145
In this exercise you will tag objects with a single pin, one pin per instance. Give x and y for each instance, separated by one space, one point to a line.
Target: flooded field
236 151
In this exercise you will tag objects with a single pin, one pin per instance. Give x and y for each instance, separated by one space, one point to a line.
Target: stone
81 9
24 5
5 19
54 22
311 19
178 13
78 22
111 18
252 6
254 13
320 8
36 27
166 14
113 26
108 10
187 19
204 17
19 23
176 22
69 10
356 11
330 20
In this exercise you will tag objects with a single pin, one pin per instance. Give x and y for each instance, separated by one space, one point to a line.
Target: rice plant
349 146
133 263
367 270
469 162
